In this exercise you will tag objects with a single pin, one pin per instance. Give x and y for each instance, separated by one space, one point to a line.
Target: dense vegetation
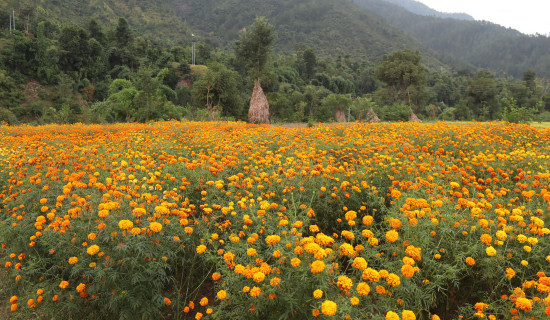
52 71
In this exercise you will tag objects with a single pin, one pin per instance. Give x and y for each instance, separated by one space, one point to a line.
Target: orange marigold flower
393 280
73 260
470 261
408 315
392 236
155 226
167 301
524 304
255 292
407 270
344 283
317 266
272 239
363 288
510 273
201 249
222 294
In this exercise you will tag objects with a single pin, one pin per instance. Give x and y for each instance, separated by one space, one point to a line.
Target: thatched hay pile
414 117
340 115
259 107
371 116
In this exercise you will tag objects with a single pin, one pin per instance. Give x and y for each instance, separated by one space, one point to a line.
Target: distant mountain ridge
423 10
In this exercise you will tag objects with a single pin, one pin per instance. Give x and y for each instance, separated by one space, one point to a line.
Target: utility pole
13 19
193 50
10 23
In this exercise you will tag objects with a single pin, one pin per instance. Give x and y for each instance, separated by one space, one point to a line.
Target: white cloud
527 16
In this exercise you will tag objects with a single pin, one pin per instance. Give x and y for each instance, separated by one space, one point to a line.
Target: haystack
259 107
340 115
371 116
414 118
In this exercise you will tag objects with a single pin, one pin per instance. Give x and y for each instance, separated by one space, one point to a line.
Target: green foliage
395 112
516 114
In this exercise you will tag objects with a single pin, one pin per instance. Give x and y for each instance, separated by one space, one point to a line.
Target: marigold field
226 220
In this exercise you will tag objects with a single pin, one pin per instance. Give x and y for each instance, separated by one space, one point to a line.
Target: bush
6 116
395 112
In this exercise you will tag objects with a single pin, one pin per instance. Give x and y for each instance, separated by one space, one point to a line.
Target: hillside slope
480 43
423 10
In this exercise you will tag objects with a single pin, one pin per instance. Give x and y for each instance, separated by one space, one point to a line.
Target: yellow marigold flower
392 236
259 277
392 316
93 249
532 241
501 235
524 263
524 304
295 262
136 231
64 284
222 294
201 249
125 224
363 288
491 252
435 317
73 260
354 301
318 294
255 292
273 239
527 248
329 308
344 283
408 315
155 226
317 266
360 263
521 238
393 280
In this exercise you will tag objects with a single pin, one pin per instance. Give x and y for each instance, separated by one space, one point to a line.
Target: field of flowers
226 220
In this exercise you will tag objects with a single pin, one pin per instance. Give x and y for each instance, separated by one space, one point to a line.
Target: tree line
54 72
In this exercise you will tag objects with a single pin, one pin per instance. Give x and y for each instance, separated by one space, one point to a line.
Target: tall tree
401 70
254 47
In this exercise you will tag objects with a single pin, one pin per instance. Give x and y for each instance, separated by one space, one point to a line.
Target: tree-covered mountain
423 10
479 43
330 27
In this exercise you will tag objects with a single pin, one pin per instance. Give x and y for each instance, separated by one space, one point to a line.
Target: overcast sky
527 16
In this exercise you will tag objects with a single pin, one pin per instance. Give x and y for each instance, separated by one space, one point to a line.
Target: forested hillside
479 43
422 9
132 62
